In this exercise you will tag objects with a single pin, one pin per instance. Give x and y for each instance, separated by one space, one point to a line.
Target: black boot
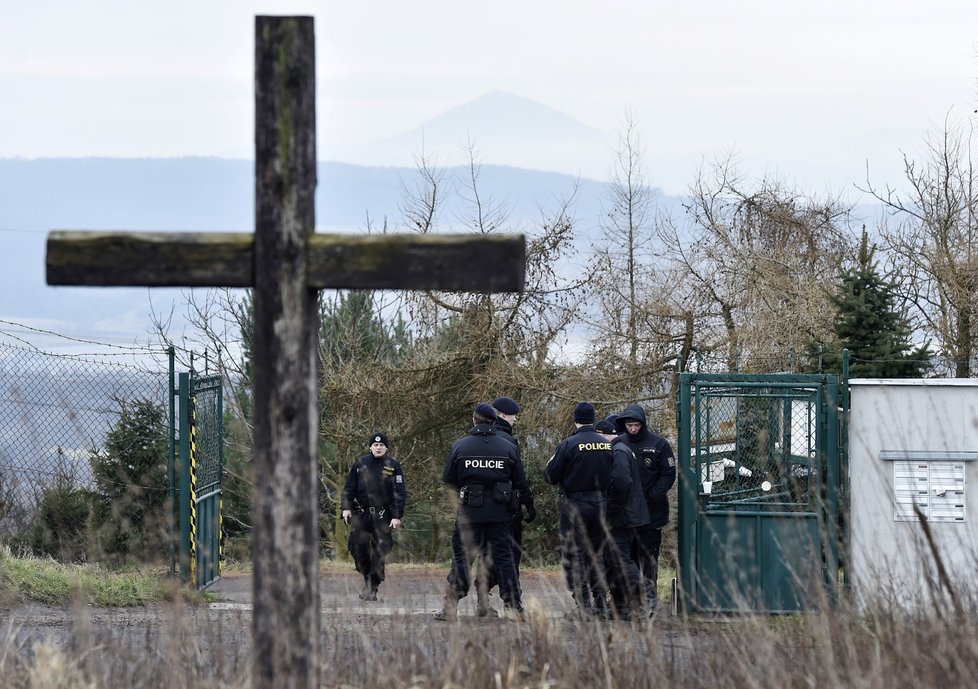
600 610
483 608
582 607
365 590
449 610
651 599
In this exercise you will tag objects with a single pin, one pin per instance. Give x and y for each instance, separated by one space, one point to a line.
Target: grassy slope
42 580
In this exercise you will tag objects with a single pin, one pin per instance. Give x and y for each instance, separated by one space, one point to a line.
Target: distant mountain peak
504 129
500 113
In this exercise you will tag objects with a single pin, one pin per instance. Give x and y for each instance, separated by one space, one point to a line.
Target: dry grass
824 651
178 646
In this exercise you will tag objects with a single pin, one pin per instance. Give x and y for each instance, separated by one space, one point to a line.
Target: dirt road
407 599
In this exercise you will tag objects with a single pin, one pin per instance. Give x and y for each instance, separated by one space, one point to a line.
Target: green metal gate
760 486
197 418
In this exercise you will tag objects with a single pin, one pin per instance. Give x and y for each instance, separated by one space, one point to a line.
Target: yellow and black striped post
193 490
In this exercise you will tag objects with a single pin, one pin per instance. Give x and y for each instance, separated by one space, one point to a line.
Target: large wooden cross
286 263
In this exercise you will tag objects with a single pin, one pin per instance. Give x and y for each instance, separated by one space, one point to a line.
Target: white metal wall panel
912 440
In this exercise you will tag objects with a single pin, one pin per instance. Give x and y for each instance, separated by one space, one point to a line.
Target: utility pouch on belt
502 492
474 494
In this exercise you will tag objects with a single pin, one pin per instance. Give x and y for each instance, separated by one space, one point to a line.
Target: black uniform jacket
378 483
581 463
626 501
485 469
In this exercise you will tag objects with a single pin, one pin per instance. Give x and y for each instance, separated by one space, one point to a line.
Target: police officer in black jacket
506 410
373 504
484 469
581 466
627 512
657 466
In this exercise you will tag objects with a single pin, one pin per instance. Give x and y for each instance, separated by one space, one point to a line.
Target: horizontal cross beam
451 263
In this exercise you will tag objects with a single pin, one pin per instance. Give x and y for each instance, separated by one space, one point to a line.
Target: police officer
657 466
581 466
373 505
507 410
484 468
627 512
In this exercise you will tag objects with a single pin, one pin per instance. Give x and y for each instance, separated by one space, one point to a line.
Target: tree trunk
965 348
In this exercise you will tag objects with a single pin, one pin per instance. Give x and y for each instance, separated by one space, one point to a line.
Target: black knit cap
485 411
378 437
605 427
507 405
584 413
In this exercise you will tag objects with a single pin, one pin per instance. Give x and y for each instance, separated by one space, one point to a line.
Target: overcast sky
806 90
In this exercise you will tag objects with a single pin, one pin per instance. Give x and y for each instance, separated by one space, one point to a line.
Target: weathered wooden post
285 537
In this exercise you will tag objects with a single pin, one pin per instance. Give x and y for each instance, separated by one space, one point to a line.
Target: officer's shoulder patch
399 479
672 461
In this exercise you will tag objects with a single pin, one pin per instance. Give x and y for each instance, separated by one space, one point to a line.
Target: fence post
171 468
183 476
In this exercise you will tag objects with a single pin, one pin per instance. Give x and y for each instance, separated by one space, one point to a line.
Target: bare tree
934 245
625 254
758 257
521 327
640 324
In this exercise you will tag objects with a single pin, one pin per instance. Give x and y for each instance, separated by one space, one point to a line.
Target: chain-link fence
757 445
57 411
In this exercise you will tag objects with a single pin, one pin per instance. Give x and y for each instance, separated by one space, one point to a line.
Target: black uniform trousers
493 541
370 542
583 531
517 541
645 552
624 577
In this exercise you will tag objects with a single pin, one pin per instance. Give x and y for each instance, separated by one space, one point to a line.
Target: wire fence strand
56 410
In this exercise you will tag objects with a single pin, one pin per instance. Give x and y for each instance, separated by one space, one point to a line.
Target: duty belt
376 511
584 494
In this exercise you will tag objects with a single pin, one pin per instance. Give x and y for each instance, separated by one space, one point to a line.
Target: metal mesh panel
55 411
755 448
206 393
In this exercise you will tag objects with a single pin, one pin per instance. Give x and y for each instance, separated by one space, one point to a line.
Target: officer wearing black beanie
373 505
581 466
506 410
484 469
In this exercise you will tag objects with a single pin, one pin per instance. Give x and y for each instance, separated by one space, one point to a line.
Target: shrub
60 525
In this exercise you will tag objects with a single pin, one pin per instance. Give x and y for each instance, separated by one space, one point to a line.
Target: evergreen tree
869 324
354 329
130 506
